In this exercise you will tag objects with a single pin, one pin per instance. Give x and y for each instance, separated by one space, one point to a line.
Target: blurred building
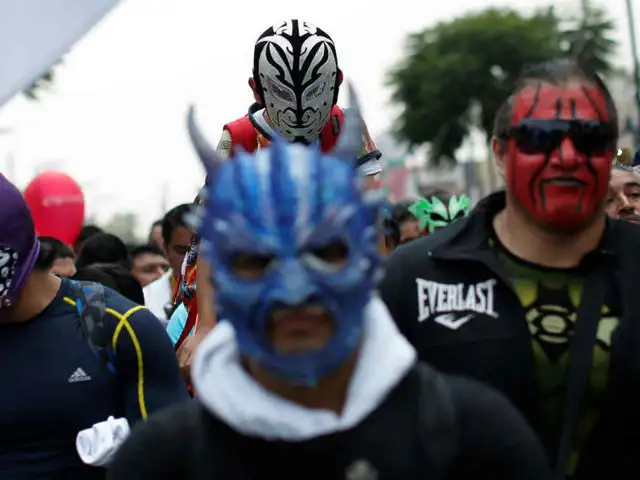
398 177
407 172
623 91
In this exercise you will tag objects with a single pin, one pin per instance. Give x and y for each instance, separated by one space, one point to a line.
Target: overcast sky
115 117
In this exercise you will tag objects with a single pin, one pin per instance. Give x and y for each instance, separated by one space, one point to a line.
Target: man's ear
499 149
339 80
254 89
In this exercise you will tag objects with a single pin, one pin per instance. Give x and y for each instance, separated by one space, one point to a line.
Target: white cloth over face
97 445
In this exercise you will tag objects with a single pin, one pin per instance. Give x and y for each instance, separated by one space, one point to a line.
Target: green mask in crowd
436 212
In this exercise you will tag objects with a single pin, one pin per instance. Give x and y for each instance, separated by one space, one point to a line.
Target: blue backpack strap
90 303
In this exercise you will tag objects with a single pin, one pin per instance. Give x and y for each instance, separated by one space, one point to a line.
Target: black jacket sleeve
157 449
494 440
392 289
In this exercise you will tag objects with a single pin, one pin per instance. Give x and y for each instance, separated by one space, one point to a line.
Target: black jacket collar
470 238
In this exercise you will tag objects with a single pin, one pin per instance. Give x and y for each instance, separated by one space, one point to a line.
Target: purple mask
19 245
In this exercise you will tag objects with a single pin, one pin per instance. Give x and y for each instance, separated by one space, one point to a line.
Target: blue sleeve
146 364
177 322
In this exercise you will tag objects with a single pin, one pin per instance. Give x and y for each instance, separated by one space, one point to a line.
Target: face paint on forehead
571 101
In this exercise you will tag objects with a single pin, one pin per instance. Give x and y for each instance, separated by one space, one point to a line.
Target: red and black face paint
560 148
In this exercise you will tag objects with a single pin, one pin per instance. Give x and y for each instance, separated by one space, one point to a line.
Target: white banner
34 34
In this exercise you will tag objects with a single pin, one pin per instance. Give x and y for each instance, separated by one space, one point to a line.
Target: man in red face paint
556 164
530 293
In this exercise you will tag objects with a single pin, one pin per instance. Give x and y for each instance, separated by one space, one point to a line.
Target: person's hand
187 350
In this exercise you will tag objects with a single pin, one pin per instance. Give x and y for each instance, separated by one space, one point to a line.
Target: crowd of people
292 323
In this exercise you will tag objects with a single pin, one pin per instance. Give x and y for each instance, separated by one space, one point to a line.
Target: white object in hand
97 445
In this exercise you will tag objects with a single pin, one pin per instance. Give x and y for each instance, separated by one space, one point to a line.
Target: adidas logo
79 376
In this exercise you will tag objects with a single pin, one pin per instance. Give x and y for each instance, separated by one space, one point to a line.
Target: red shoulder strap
330 132
243 134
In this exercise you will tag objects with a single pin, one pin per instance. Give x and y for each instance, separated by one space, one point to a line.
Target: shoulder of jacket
120 307
169 433
421 247
241 121
628 235
179 420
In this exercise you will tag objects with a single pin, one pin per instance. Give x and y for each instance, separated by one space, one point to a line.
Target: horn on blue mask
208 155
287 204
349 144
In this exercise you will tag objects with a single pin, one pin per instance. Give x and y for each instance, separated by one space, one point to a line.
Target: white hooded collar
226 390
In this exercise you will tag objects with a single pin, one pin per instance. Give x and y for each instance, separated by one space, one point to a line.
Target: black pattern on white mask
296 70
8 262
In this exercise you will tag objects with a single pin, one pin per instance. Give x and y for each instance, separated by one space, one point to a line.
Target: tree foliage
587 38
476 60
42 84
36 88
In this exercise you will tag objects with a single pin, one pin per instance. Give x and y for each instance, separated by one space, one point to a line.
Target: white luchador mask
296 74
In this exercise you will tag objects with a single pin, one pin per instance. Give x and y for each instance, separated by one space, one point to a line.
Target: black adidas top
55 385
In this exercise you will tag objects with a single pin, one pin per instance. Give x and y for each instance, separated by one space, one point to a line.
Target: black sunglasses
589 137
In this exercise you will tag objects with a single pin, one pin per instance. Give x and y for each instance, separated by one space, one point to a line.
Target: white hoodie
227 391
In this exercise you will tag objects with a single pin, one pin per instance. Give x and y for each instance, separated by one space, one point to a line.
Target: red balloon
56 202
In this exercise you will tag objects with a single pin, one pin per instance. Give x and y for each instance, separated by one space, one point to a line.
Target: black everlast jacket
451 298
429 427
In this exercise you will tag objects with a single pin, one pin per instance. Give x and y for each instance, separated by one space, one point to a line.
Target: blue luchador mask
288 212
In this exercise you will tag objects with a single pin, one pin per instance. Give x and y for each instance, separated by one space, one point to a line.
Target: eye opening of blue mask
328 256
321 266
251 265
